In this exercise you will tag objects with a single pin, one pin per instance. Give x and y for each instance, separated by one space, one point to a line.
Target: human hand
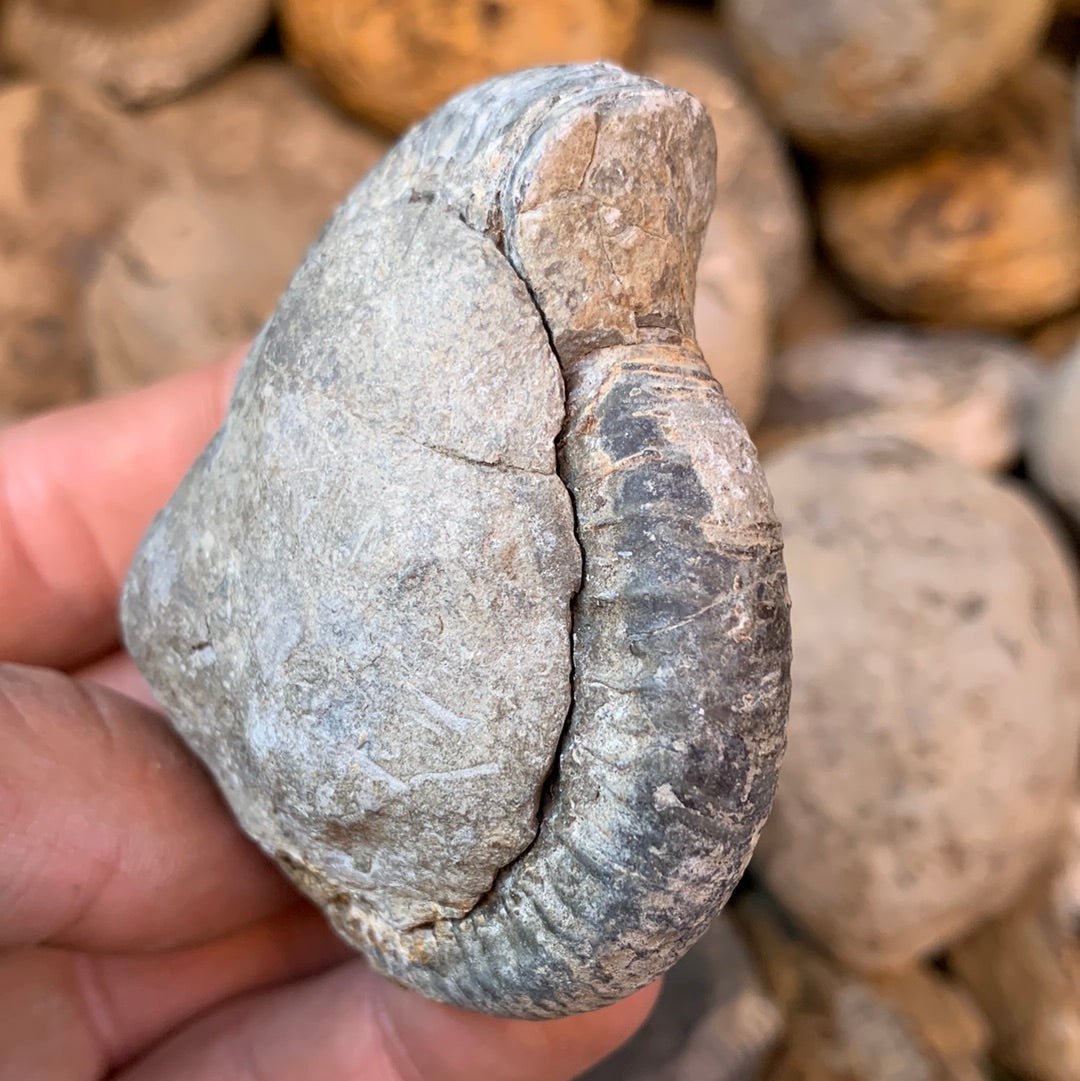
141 935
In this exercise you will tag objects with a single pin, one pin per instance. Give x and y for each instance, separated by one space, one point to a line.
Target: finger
111 835
77 490
349 1023
137 999
117 671
70 1015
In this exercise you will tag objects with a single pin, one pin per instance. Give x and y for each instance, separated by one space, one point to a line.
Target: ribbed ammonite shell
475 607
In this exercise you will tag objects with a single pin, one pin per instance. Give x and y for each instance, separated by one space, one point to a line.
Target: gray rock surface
499 680
935 696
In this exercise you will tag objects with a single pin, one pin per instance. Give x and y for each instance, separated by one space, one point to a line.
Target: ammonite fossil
475 607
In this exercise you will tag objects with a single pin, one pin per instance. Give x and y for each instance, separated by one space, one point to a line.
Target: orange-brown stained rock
69 171
393 61
984 229
1051 341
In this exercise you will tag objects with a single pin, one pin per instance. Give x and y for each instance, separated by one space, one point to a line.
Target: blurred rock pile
890 294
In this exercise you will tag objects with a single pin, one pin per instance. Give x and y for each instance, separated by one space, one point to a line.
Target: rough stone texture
864 81
260 163
1023 969
982 229
935 696
913 1025
1053 452
713 1021
393 61
362 607
133 51
962 395
69 172
755 181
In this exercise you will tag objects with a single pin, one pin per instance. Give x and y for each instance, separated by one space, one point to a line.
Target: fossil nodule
491 657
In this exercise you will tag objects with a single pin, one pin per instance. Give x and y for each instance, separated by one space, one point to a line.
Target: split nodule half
475 607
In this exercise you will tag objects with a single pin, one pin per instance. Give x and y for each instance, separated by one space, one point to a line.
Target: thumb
350 1023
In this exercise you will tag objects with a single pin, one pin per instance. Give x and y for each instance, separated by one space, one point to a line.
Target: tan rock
914 1024
1054 442
866 81
713 1021
821 308
1023 969
189 277
262 133
982 230
935 696
43 360
962 395
135 52
69 172
259 163
393 61
755 180
731 317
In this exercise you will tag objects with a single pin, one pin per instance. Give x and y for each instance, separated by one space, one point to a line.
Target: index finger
77 490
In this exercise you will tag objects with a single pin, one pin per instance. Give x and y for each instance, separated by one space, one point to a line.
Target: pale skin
141 935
